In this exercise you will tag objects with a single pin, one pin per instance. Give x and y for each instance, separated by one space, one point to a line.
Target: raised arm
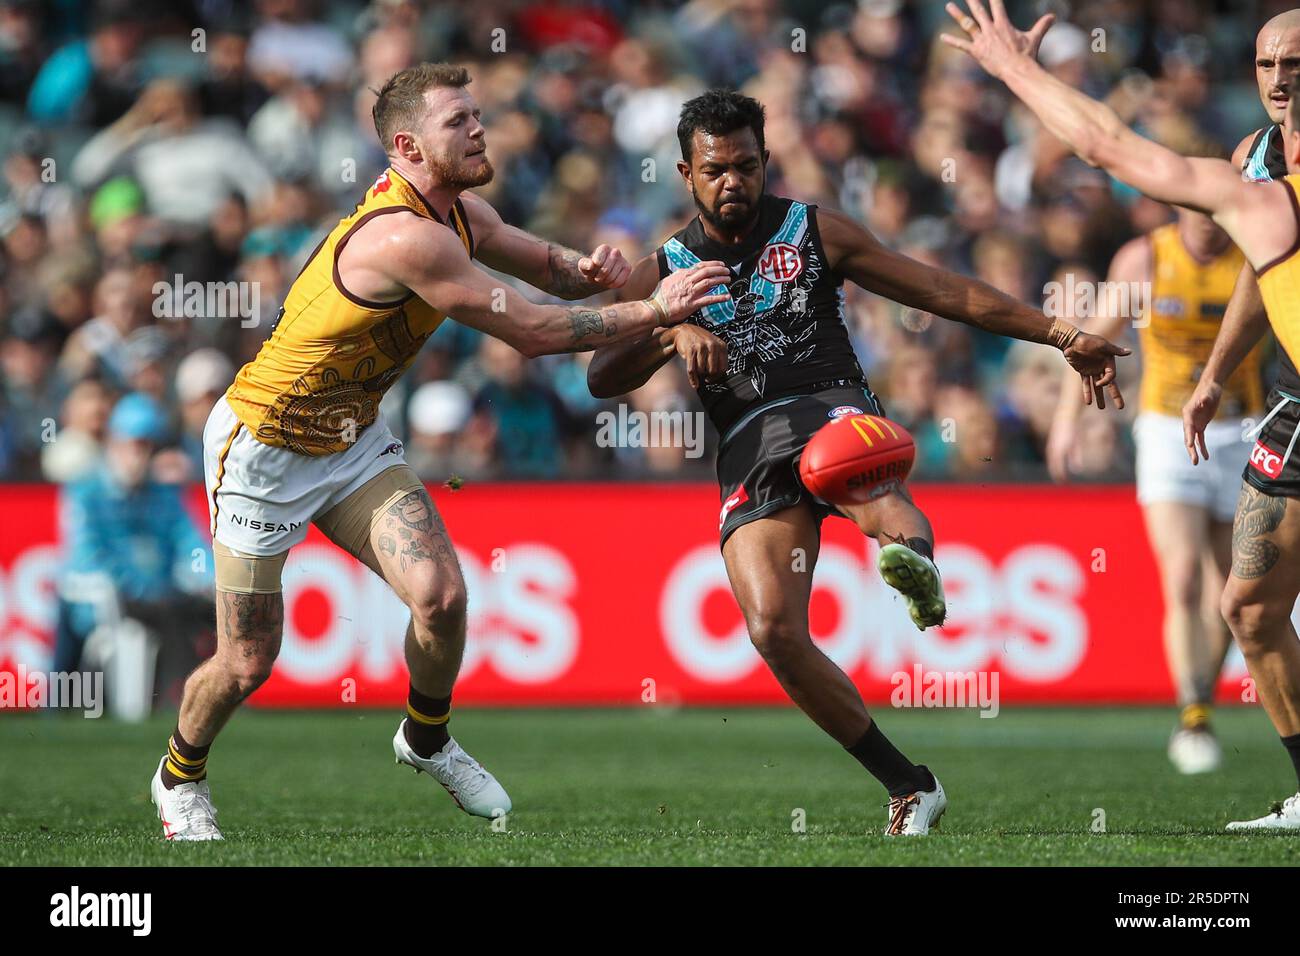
564 273
1096 134
429 260
857 255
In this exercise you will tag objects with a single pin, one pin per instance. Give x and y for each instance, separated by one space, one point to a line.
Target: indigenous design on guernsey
784 324
1265 163
1188 300
332 355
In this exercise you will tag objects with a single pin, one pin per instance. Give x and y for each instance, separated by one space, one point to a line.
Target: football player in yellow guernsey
1189 267
1263 219
298 437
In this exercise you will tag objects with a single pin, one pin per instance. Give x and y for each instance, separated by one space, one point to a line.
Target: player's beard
736 223
458 174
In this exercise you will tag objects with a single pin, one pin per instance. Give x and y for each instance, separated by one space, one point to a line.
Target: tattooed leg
1258 515
1258 599
249 627
415 556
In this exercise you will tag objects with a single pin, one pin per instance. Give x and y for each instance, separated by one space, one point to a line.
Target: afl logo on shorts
780 262
1266 460
839 411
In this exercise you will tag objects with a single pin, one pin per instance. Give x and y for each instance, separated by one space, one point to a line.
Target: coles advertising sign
582 593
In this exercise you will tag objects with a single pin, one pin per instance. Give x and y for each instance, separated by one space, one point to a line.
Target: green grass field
695 787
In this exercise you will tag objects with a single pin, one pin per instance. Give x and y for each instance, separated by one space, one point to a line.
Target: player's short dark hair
400 104
719 112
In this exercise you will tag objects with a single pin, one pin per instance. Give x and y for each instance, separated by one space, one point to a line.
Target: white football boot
474 789
1195 750
915 814
916 578
186 810
1283 816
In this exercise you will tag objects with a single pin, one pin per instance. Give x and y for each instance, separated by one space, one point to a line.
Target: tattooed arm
549 266
428 259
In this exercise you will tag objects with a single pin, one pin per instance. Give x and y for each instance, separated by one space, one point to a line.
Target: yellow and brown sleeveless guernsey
331 355
1279 283
1188 300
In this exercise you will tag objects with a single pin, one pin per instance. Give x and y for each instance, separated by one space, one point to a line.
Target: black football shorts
1274 464
758 460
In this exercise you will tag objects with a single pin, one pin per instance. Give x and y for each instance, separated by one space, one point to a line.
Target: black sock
185 762
921 547
426 724
883 761
1292 745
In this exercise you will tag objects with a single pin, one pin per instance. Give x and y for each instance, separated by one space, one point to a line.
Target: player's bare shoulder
484 220
843 237
386 256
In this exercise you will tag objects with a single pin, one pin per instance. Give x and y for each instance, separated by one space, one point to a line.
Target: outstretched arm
429 260
857 255
549 266
1096 134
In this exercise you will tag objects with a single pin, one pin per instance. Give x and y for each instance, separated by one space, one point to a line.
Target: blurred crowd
150 144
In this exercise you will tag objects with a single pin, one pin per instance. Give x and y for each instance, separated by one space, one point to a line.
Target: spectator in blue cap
124 527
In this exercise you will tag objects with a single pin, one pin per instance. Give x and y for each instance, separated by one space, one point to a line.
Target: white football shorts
1165 473
261 499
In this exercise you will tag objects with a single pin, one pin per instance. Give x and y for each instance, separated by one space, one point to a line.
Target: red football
855 458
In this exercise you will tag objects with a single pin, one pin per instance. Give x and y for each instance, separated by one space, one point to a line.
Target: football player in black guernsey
775 363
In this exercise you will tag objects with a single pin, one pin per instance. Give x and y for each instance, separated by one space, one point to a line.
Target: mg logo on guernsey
1264 459
780 262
